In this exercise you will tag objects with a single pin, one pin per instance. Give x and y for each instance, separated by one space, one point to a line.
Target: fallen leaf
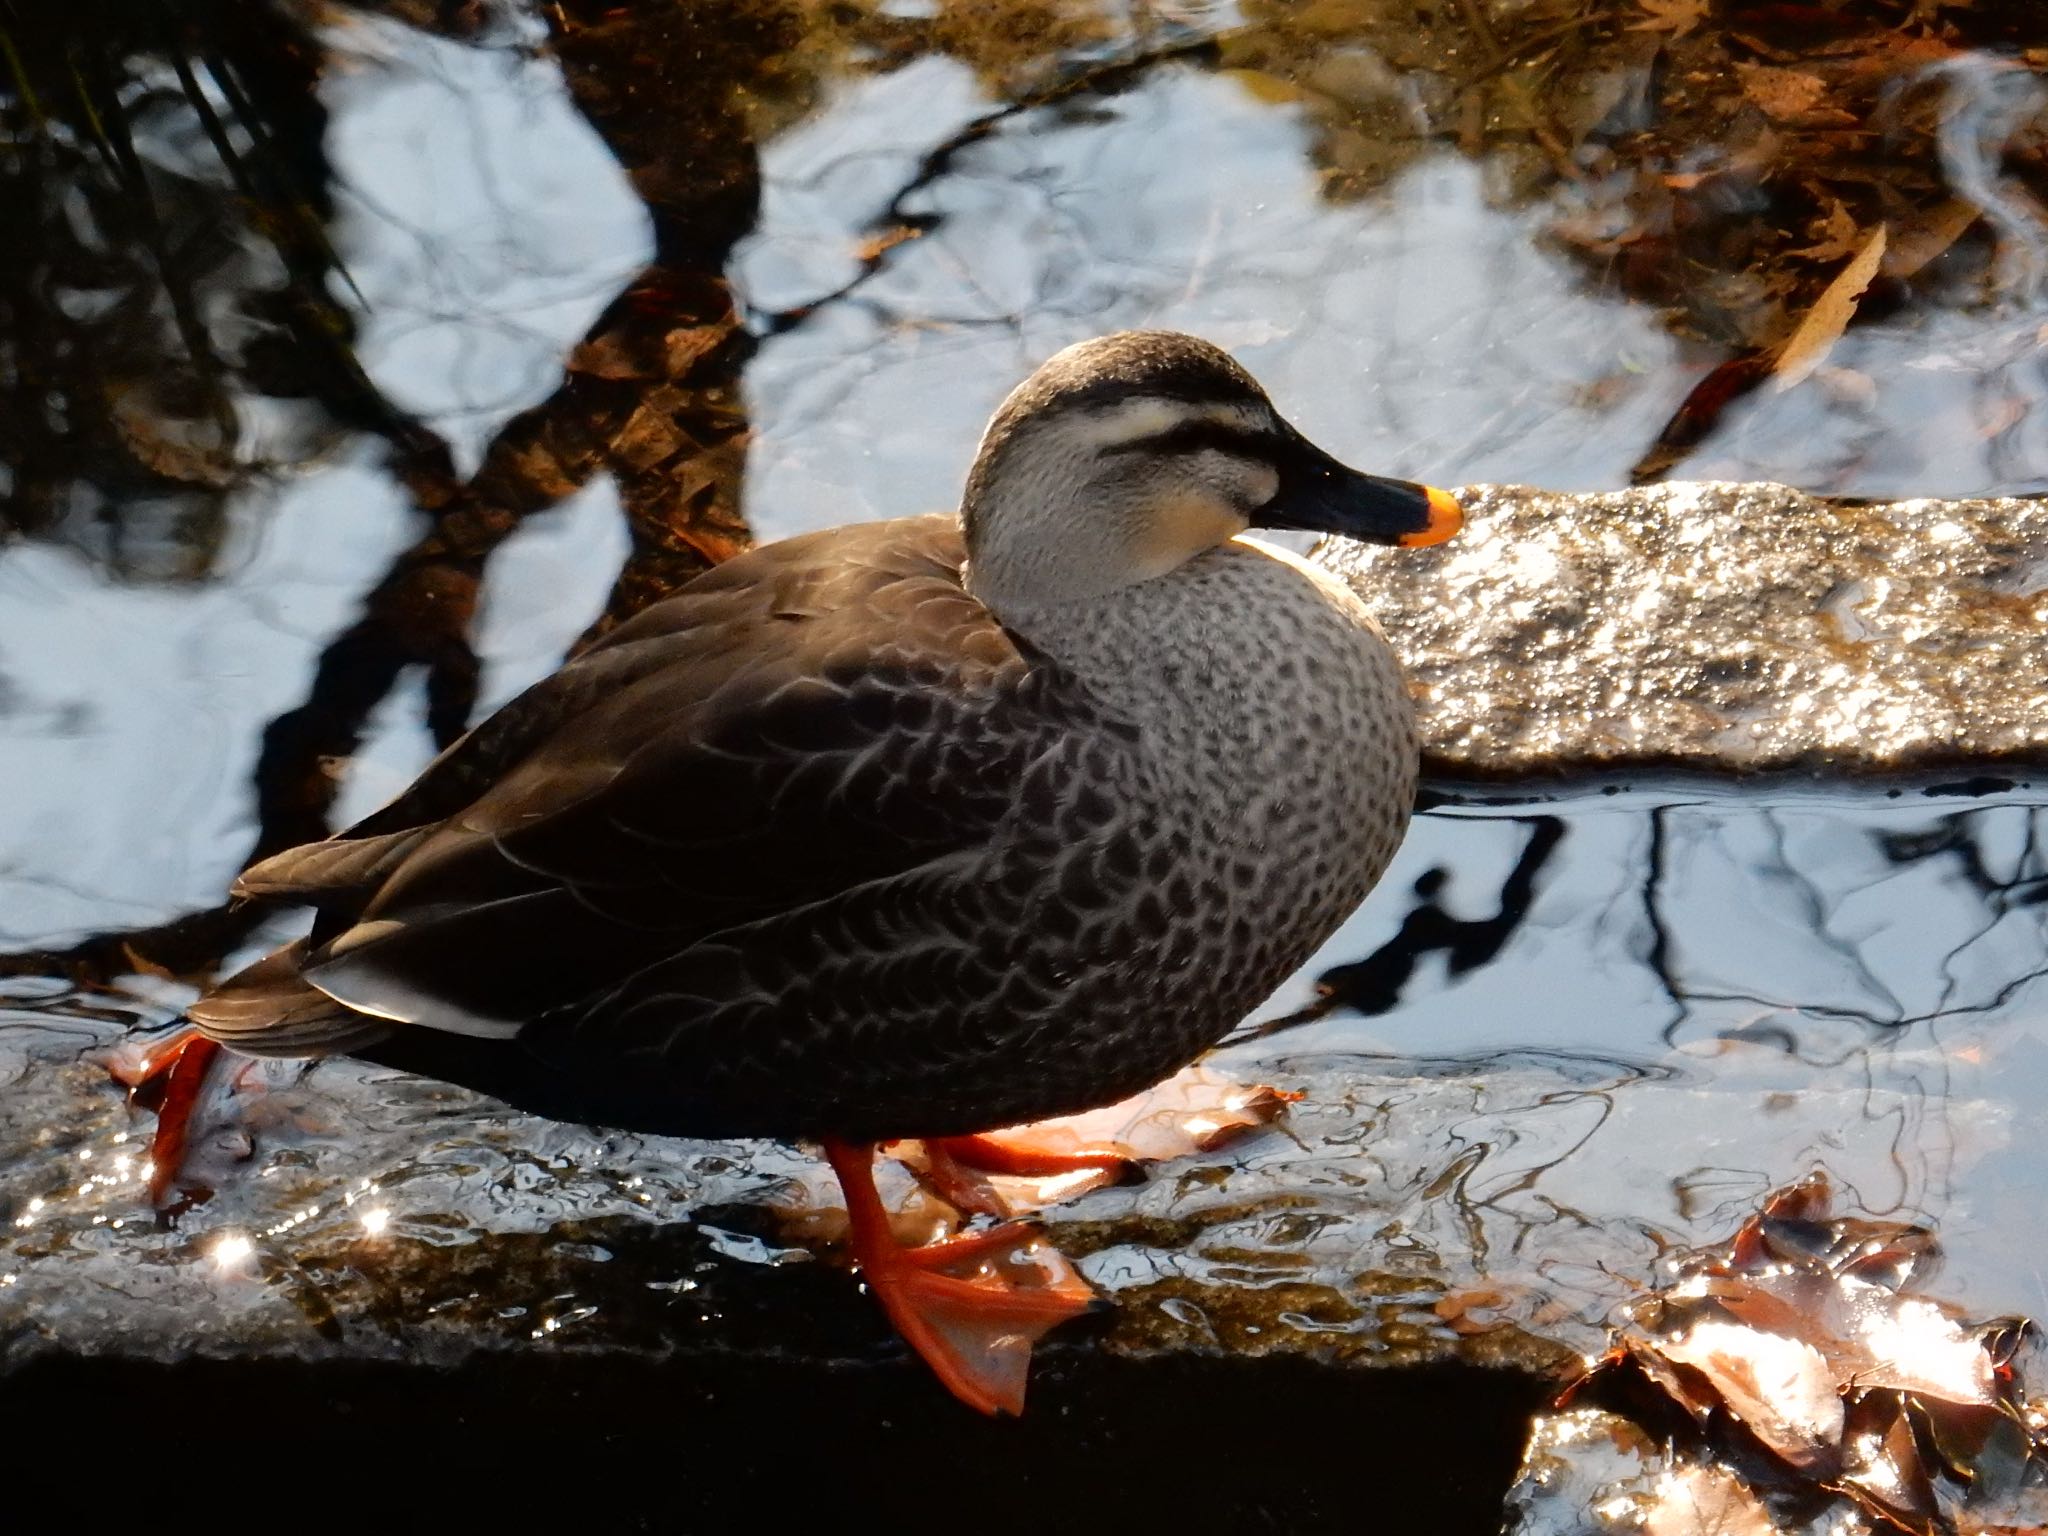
187 450
684 348
1834 235
1781 1388
1477 1309
877 245
1799 1329
1922 242
2001 416
1846 386
648 437
1783 94
1885 1473
1700 412
1692 1500
1808 346
1677 17
1196 1110
611 355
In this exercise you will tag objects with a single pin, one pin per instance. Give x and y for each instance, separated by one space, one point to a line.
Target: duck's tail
269 1009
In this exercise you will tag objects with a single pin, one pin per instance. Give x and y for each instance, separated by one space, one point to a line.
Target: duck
911 829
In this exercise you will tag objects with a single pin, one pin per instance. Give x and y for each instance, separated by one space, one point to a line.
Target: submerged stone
1720 627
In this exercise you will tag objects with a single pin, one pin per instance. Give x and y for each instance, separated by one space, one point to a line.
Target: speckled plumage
823 846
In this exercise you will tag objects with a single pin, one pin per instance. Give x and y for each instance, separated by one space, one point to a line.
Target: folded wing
810 718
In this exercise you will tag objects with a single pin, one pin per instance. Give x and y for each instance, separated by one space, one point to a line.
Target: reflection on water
550 317
481 219
1413 289
1362 320
1557 1043
1506 247
1743 986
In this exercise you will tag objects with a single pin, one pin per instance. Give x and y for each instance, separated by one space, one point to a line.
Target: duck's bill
1323 496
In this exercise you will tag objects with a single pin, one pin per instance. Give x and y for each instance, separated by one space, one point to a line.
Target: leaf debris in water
1790 1368
1808 346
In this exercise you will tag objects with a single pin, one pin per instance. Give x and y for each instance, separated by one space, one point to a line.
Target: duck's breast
1282 757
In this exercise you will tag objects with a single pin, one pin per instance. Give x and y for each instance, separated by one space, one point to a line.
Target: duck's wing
353 863
830 711
709 627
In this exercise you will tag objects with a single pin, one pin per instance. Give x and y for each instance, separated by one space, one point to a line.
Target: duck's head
1124 457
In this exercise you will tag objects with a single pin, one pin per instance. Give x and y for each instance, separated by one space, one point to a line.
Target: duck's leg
1190 1112
993 1154
175 1075
975 1330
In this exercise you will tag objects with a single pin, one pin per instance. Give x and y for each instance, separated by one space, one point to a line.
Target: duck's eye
1191 437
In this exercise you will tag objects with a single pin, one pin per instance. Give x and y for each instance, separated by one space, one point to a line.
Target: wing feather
813 718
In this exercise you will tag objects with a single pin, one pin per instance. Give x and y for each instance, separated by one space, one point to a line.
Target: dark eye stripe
1193 436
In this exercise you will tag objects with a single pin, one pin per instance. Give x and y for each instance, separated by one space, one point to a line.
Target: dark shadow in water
167 251
138 301
1374 984
897 223
1967 839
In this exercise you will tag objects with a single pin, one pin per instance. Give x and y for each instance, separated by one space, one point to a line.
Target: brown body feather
820 846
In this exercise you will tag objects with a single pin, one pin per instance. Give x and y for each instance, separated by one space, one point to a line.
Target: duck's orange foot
972 1305
958 1168
1193 1111
169 1080
1029 1153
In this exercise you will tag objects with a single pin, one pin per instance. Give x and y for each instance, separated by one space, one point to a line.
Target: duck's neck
1060 542
1177 642
1016 579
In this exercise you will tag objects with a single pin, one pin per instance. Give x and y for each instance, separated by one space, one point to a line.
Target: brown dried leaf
1913 1346
1196 1110
2002 414
1834 235
1886 1473
185 450
1782 1389
1926 239
1785 95
1477 1309
684 348
1700 413
1695 1500
539 469
611 355
1808 346
1677 17
876 246
647 438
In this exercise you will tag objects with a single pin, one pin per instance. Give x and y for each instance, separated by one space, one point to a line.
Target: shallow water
1563 1037
1645 1007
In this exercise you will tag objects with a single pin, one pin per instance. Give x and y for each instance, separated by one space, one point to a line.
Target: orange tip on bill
1446 517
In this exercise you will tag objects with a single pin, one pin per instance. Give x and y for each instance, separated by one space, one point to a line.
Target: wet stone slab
1723 627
